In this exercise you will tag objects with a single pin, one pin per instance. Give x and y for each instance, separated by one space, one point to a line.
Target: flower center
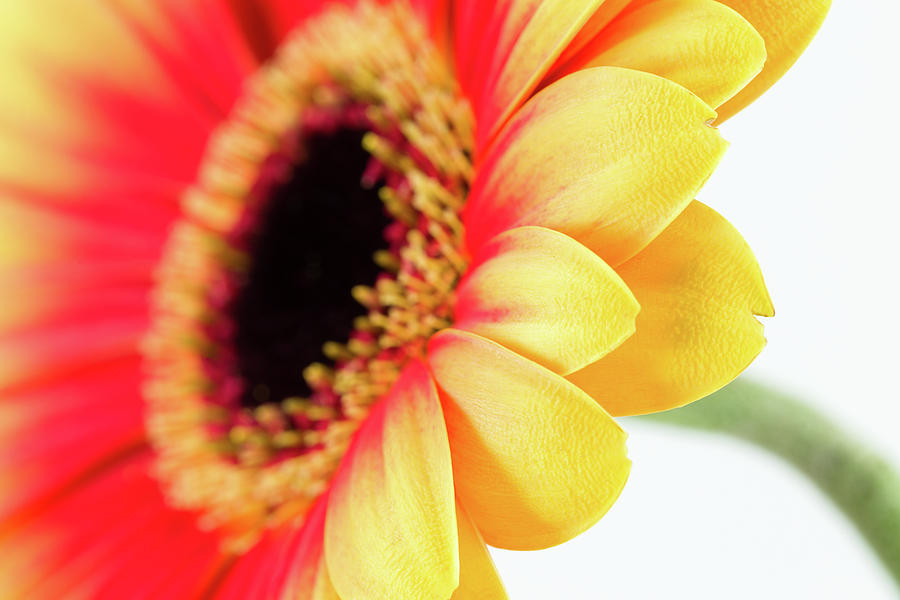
317 252
315 230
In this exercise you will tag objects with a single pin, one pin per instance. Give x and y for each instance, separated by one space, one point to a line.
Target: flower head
315 299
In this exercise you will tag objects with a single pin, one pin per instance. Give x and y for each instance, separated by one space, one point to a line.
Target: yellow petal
609 156
787 26
478 578
547 297
391 525
699 287
535 460
700 44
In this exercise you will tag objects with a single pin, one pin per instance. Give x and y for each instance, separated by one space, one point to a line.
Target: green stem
863 485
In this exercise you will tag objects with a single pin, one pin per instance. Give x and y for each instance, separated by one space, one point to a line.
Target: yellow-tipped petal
787 26
531 35
535 460
308 577
478 578
391 525
700 44
609 156
699 287
598 21
547 297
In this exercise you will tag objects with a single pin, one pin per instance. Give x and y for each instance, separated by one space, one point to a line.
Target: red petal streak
113 537
53 350
137 130
271 20
77 279
286 563
198 44
56 433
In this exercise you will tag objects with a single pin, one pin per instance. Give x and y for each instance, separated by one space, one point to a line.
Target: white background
811 180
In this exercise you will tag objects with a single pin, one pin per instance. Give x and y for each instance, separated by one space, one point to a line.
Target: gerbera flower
210 388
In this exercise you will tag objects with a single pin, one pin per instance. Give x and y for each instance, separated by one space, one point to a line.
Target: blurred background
812 180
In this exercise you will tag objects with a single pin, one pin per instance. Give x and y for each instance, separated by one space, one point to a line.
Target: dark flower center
318 251
313 241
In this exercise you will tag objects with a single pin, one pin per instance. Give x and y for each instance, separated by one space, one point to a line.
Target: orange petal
504 49
700 44
609 156
478 578
699 287
391 525
787 26
547 297
535 460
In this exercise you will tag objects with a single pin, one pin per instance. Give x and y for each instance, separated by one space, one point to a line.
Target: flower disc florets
252 438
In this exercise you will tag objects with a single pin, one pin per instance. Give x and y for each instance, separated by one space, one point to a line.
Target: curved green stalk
863 485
